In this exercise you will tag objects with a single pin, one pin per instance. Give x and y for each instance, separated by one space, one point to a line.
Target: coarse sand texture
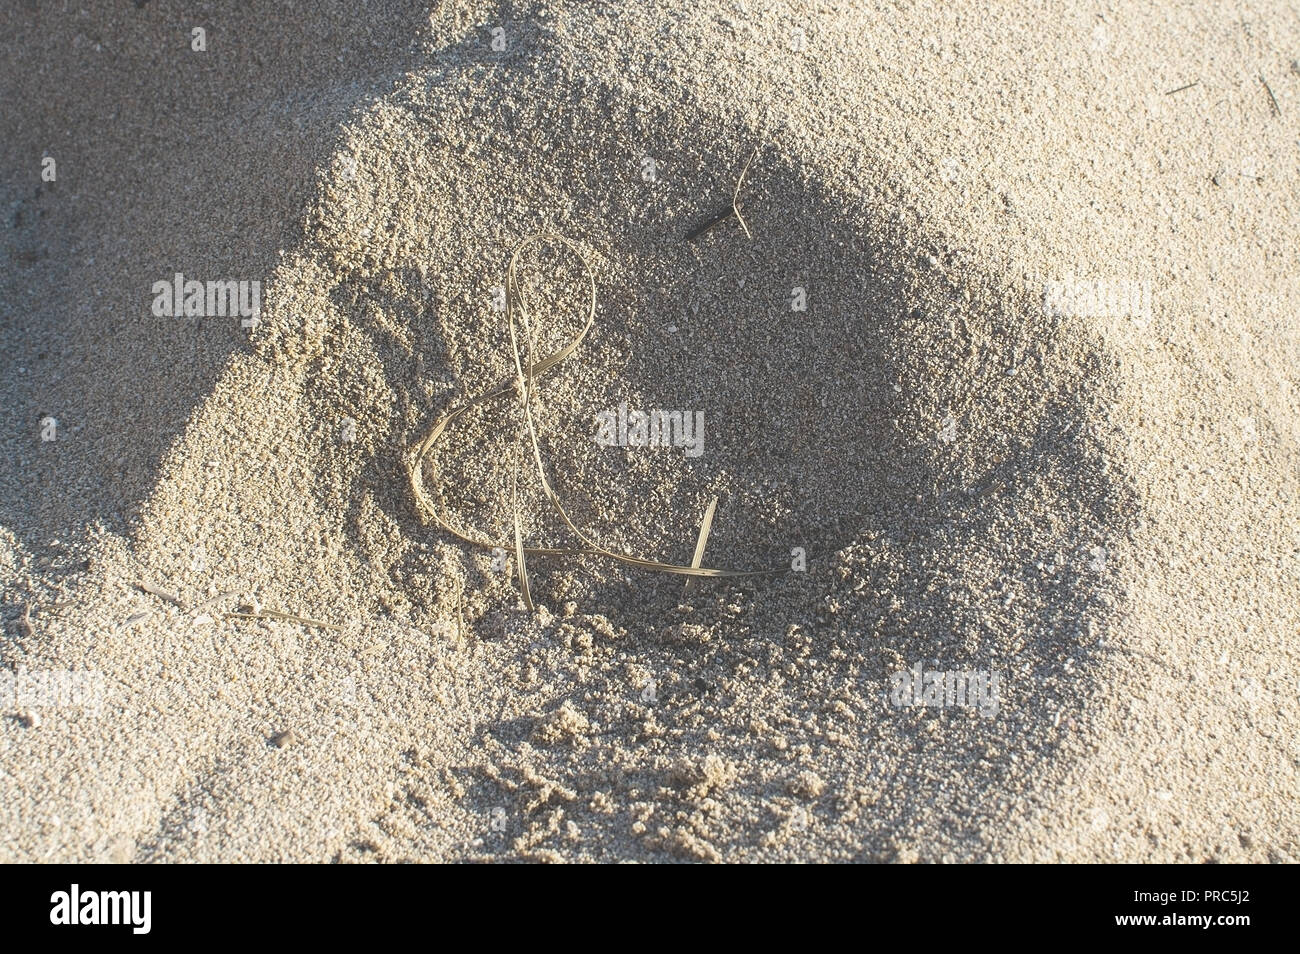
913 387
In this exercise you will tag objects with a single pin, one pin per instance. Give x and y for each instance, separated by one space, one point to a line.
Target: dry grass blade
521 562
285 617
523 384
735 196
703 540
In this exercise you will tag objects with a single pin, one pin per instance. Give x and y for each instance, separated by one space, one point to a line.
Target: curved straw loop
524 384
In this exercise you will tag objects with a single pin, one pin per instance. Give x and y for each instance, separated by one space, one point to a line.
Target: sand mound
947 473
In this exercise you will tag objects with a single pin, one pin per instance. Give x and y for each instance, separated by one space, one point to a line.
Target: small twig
1273 99
287 617
1181 88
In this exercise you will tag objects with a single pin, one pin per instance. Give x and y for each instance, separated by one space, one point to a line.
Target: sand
975 463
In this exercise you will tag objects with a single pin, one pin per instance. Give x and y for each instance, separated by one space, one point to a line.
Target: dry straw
523 384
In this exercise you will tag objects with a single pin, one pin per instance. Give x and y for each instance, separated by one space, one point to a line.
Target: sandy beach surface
990 364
